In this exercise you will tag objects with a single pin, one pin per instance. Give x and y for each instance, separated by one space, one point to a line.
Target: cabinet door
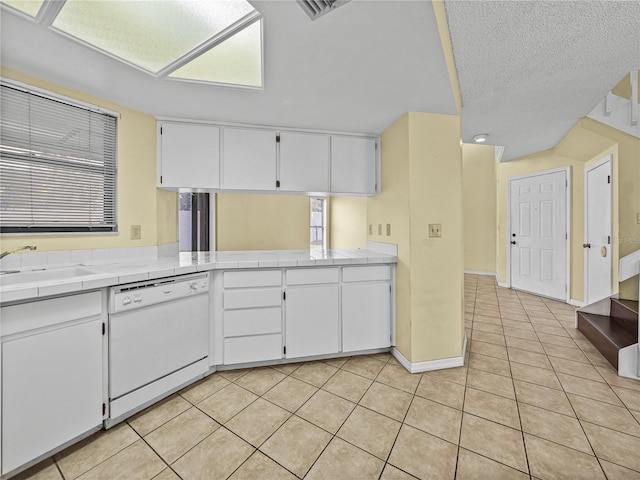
304 162
353 165
366 316
312 324
52 390
189 156
248 159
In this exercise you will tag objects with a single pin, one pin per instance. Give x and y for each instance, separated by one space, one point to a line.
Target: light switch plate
435 230
370 229
379 229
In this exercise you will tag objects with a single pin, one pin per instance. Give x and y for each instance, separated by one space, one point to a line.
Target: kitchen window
57 164
318 222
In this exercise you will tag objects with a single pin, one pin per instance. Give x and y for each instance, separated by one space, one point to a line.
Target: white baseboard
430 364
474 272
576 303
504 285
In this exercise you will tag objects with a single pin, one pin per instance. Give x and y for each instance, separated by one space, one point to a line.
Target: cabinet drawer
267 297
258 278
311 276
252 349
47 313
256 321
366 274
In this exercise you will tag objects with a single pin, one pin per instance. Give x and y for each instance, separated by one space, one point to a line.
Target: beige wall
348 222
262 222
479 207
422 184
139 201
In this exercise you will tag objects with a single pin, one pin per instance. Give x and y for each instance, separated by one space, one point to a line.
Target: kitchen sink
43 275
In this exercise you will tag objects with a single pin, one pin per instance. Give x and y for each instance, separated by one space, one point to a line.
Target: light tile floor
534 400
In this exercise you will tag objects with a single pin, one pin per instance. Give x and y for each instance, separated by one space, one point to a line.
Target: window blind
57 165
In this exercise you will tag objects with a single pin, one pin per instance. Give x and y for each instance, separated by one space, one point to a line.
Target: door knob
513 242
586 245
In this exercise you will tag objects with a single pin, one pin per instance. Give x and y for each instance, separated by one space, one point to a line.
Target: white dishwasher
158 340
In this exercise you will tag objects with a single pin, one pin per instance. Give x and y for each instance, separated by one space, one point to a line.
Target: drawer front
47 313
311 276
256 278
257 321
265 297
366 274
252 349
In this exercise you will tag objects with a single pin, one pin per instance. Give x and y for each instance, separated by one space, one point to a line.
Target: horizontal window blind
57 165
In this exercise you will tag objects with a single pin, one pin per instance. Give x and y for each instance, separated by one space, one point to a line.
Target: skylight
218 41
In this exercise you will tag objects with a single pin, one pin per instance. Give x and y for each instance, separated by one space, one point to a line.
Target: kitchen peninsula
103 339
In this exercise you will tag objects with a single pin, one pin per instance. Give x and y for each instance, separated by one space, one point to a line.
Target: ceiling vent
316 8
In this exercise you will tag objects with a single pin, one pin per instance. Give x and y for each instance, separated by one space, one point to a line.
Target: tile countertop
120 271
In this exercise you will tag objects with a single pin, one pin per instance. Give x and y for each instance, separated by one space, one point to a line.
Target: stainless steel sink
13 277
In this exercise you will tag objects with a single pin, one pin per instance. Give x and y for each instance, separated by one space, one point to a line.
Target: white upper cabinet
189 156
248 159
353 165
304 162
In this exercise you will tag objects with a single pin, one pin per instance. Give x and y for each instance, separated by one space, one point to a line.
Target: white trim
567 175
504 285
474 272
576 303
430 365
608 159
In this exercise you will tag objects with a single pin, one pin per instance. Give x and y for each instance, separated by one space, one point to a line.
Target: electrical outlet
388 229
435 230
370 229
379 229
136 232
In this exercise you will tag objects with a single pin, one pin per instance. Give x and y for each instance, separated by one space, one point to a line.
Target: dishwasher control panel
141 294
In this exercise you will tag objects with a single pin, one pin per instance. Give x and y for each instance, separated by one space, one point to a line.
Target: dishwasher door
148 343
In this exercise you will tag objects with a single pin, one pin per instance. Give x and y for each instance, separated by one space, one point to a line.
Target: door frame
606 159
567 175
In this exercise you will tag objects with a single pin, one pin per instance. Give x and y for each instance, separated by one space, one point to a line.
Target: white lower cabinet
366 308
52 383
252 316
272 314
312 320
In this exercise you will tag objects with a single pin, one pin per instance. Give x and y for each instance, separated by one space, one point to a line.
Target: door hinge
376 145
608 178
160 178
104 328
277 183
160 130
278 138
608 240
389 288
104 409
284 349
566 236
284 295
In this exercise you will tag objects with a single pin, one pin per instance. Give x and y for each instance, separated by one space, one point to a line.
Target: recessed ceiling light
481 137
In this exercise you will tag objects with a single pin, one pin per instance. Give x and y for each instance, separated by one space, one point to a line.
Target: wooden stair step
607 334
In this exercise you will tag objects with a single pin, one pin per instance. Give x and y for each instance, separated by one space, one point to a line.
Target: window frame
109 229
324 227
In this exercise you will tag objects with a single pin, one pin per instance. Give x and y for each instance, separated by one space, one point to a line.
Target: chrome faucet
16 250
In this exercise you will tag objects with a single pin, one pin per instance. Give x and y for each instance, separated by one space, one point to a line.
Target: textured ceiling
528 70
356 69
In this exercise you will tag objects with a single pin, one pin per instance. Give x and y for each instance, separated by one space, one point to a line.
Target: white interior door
538 234
598 231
